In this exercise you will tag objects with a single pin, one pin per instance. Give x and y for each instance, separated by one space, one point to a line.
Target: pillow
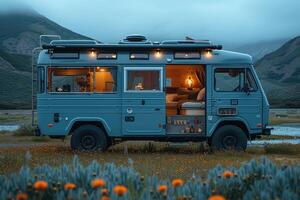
180 97
192 94
201 95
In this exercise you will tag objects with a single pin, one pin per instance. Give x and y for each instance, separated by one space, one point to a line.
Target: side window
40 80
250 81
141 79
105 79
229 79
66 80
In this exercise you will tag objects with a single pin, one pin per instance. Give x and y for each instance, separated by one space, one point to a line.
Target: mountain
19 34
20 31
280 74
259 49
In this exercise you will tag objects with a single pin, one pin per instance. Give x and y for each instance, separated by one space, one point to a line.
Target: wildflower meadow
256 179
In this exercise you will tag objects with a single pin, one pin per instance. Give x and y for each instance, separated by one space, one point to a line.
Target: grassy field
284 120
12 118
162 159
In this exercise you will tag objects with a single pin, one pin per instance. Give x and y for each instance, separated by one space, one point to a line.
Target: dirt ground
166 160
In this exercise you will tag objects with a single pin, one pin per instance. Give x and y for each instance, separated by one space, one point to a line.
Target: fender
238 119
86 119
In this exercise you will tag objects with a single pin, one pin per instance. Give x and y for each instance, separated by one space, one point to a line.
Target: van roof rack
73 42
201 42
130 46
135 41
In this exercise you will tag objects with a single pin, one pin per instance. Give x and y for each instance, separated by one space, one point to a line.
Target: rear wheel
89 138
229 137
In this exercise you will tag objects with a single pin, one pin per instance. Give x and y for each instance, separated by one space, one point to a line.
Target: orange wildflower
120 190
22 196
104 192
177 182
216 197
40 185
96 183
162 188
228 174
105 198
70 186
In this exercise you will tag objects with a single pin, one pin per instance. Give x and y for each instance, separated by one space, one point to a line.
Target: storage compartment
182 124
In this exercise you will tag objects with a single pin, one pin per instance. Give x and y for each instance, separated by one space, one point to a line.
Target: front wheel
89 138
229 137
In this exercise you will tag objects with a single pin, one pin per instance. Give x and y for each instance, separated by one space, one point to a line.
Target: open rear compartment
185 99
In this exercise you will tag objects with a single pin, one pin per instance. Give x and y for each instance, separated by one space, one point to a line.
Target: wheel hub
88 142
229 141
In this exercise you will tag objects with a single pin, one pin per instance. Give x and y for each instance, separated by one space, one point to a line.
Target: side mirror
246 89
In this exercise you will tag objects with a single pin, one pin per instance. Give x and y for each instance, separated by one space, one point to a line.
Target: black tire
89 138
229 137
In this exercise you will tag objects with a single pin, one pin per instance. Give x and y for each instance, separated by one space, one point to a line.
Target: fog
229 22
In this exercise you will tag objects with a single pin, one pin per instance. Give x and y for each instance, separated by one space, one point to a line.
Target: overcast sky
223 21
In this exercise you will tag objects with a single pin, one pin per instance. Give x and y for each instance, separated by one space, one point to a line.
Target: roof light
208 54
92 54
157 53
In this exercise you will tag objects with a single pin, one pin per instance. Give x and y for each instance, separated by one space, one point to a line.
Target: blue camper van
136 89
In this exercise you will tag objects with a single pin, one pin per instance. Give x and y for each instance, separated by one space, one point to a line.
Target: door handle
143 101
157 109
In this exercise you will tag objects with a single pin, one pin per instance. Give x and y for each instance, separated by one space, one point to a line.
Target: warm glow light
92 53
208 54
100 69
190 82
157 54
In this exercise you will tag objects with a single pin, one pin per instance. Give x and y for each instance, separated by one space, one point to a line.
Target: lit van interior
85 79
185 90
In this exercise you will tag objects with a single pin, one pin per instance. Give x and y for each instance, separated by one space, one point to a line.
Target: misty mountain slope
280 74
260 49
19 34
20 31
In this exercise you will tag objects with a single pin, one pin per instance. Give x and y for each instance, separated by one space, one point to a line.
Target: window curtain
200 74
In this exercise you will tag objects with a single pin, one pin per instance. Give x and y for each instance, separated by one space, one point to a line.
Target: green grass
24 130
282 149
15 90
278 137
20 62
6 118
283 120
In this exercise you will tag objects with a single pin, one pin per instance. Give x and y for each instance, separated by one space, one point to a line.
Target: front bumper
267 130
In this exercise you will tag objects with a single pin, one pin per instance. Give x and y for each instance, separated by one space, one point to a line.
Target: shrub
254 180
25 130
282 149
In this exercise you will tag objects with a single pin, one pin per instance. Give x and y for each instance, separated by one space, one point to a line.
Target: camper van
172 91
